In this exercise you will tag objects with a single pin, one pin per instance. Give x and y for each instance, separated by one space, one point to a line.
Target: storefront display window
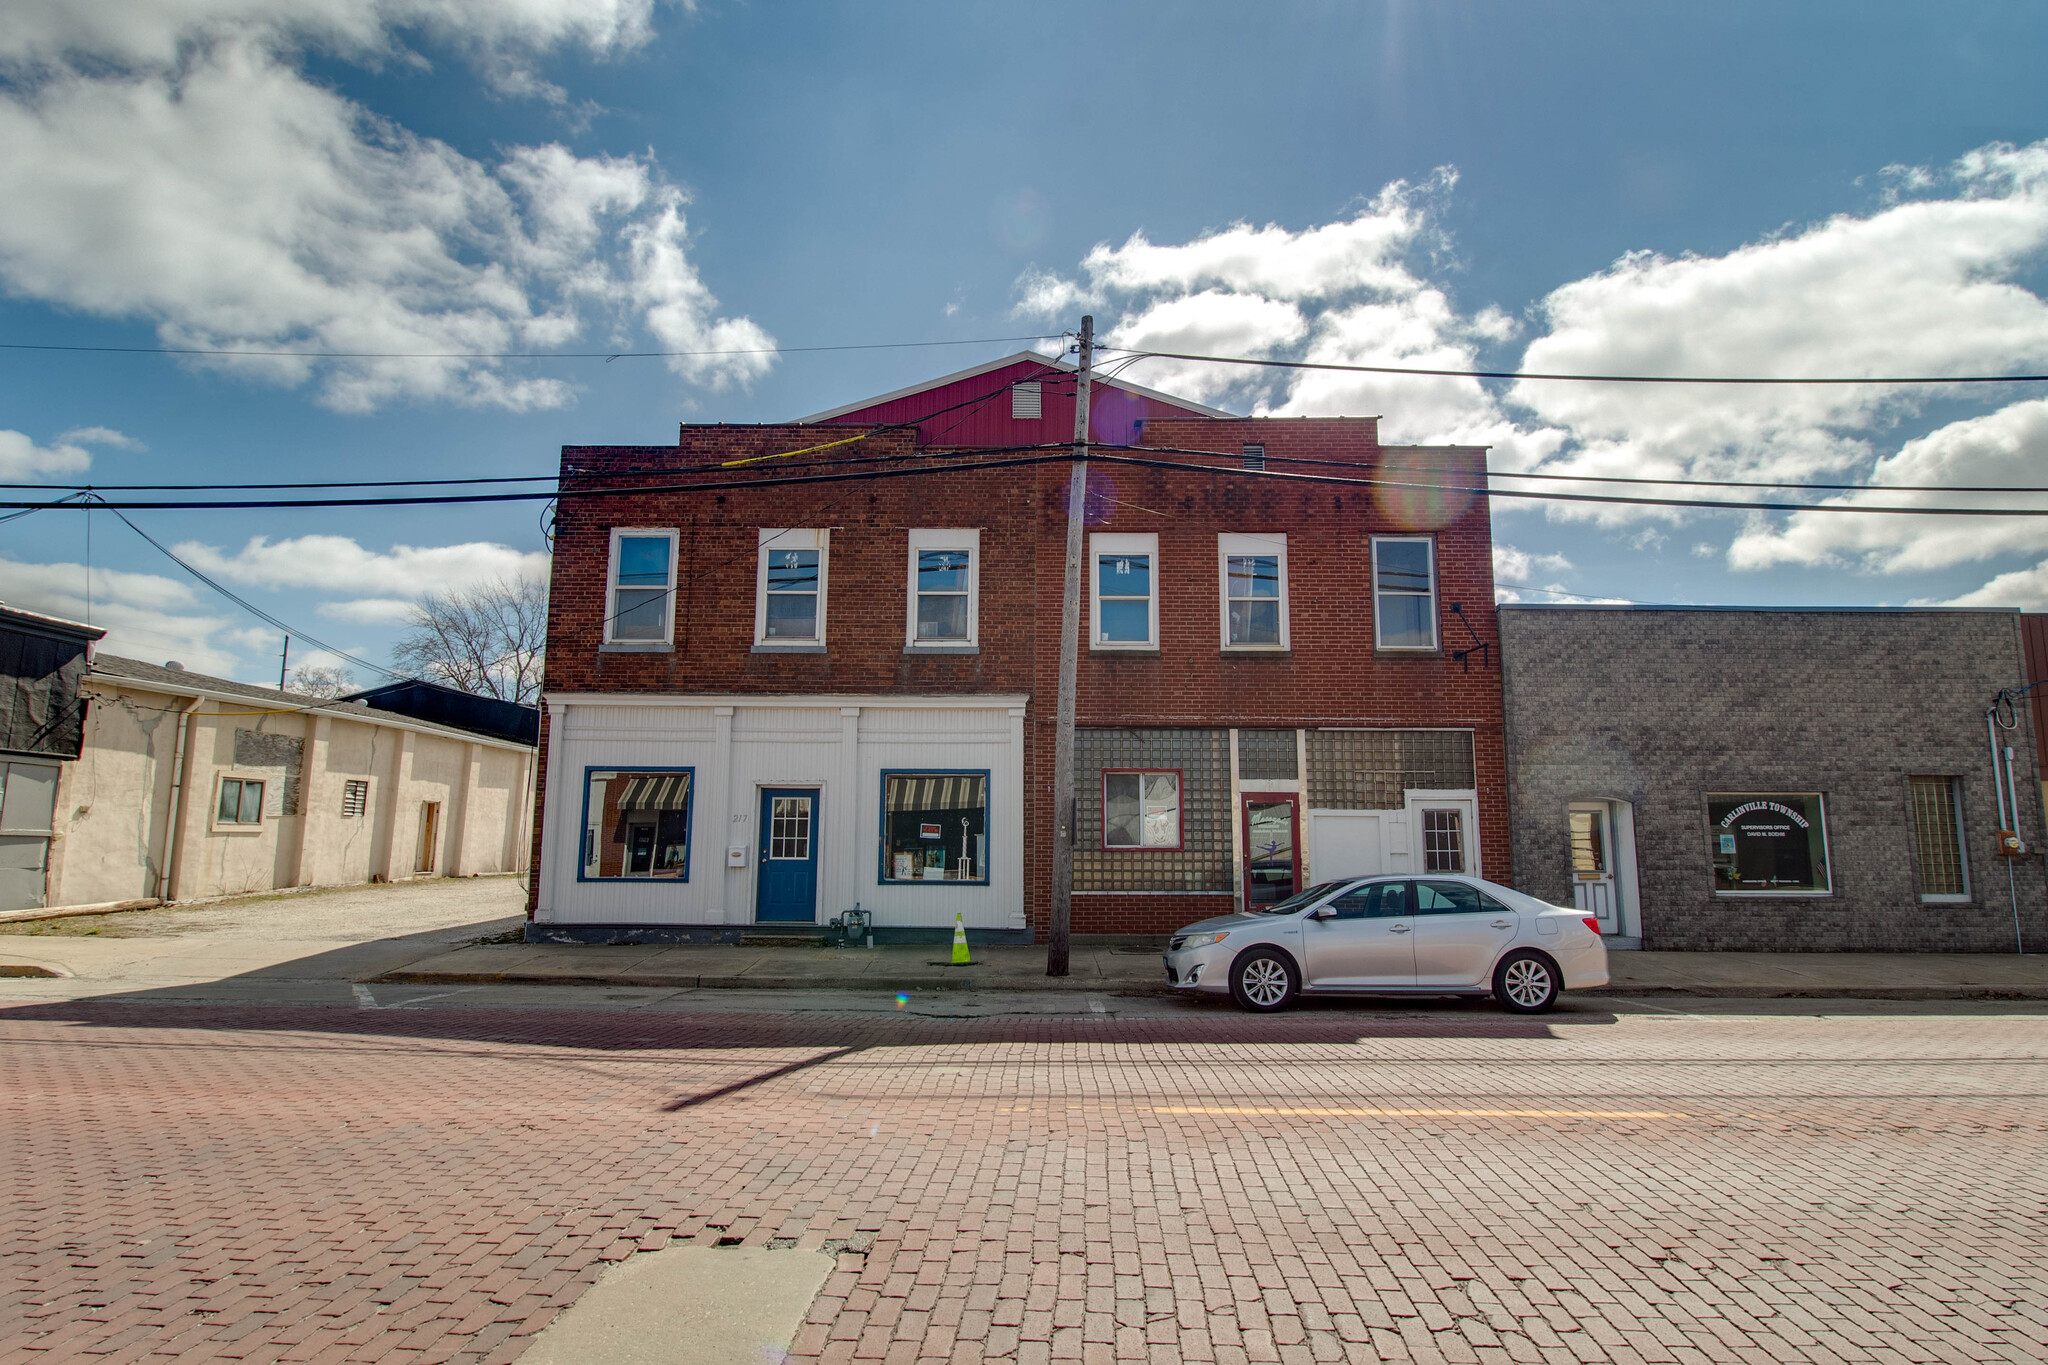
935 827
636 824
1769 845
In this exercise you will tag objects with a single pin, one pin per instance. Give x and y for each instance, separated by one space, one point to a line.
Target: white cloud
2026 589
1934 278
146 616
341 564
186 171
381 611
22 458
1509 562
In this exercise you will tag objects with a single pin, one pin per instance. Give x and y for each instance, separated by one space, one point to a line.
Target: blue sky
1847 188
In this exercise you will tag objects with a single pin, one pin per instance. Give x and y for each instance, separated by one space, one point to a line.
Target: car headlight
1201 940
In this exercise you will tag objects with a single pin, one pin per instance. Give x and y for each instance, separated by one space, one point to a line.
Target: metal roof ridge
1050 362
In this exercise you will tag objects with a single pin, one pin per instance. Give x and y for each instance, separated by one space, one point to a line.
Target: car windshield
1297 901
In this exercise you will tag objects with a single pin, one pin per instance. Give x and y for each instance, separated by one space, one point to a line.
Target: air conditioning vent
1254 457
1024 401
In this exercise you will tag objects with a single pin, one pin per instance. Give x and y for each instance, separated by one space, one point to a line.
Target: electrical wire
606 356
1584 378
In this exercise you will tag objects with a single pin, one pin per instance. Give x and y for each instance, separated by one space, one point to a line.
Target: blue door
789 856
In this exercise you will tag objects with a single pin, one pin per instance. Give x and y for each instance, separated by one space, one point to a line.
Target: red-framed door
1271 824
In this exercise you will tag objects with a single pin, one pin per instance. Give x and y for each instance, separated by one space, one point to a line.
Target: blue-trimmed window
636 824
935 826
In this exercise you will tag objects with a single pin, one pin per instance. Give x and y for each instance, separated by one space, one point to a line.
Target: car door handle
1503 924
1397 928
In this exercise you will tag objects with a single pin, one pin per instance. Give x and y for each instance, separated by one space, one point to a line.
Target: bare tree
488 640
324 682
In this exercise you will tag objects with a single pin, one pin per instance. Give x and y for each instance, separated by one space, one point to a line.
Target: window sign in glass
1768 844
792 594
637 824
1269 852
935 827
1141 810
1254 592
942 594
241 802
1404 594
640 589
1124 596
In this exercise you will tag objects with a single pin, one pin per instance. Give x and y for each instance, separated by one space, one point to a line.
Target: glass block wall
1203 861
1263 755
1370 769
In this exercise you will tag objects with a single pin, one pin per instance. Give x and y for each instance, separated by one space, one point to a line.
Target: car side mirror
1323 912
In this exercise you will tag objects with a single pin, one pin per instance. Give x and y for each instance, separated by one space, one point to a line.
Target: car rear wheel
1263 980
1526 982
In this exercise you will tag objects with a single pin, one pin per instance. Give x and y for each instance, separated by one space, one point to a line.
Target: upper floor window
1124 591
1254 570
789 601
640 603
945 585
1404 592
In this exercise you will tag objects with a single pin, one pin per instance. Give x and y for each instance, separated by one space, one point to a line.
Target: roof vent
174 666
1025 404
1254 456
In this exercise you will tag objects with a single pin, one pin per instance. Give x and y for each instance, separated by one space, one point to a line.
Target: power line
1049 456
606 356
1555 592
1590 378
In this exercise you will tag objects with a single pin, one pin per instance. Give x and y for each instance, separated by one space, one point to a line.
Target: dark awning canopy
655 791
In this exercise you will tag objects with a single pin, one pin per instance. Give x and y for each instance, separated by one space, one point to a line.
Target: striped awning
911 793
655 791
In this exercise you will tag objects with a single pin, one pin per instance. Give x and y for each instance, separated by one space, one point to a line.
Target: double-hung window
1123 591
1140 809
640 600
789 600
1254 580
1404 592
945 583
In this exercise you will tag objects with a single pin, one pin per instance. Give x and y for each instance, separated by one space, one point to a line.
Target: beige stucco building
189 786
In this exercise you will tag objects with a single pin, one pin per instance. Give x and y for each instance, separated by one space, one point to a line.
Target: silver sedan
1432 935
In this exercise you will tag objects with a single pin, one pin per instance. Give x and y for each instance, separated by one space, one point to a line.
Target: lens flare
1423 504
902 999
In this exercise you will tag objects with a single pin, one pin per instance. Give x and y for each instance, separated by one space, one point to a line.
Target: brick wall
1331 675
1660 707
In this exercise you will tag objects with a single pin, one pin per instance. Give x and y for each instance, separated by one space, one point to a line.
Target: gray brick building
1762 779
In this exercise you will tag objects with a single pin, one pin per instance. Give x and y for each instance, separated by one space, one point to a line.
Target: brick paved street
1434 1183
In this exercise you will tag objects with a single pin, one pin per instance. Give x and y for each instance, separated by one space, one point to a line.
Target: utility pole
1060 926
284 661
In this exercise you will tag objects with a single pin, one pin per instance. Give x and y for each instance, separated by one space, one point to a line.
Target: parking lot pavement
1432 1182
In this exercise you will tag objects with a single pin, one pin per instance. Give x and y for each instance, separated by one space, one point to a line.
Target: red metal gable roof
973 407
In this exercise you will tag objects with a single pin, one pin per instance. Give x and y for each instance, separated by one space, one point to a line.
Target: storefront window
637 824
1772 845
935 827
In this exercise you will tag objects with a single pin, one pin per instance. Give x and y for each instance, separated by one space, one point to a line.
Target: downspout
172 842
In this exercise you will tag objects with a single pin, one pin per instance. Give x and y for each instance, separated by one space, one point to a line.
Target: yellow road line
1427 1113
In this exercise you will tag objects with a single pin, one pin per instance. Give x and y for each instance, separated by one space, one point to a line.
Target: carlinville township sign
1768 844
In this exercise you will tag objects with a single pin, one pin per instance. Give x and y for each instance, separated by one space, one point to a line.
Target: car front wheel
1526 982
1263 980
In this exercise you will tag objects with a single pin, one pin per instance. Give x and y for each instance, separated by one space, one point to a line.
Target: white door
1344 843
1592 828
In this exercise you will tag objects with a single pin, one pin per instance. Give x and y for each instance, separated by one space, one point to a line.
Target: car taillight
1591 923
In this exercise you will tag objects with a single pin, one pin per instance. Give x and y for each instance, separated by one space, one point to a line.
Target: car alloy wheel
1525 982
1262 981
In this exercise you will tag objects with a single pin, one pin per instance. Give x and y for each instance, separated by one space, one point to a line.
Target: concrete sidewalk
1128 968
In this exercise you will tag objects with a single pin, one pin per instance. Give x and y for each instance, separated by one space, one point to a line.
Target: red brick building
780 689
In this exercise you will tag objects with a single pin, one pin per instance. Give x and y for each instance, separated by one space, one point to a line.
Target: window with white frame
1123 591
640 601
945 585
1141 809
789 601
1254 583
1404 592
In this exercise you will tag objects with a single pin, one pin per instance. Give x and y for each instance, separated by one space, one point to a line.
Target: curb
1962 992
880 985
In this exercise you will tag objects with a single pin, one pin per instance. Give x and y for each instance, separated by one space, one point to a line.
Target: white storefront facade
681 818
